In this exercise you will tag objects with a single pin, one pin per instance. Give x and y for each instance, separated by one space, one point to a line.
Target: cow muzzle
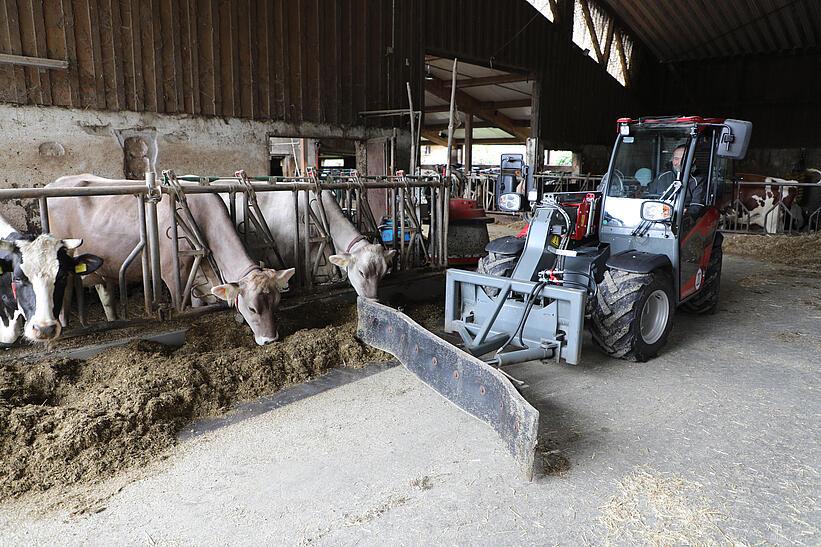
264 340
45 331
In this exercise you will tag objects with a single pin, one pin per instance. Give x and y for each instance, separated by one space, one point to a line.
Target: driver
695 188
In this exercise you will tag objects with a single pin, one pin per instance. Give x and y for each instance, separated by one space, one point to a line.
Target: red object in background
467 232
464 209
523 232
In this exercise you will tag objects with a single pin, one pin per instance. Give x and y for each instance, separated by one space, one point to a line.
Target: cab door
700 219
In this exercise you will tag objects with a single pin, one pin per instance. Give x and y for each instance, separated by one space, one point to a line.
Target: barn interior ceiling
687 31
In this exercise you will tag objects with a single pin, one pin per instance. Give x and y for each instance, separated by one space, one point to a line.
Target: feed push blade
467 382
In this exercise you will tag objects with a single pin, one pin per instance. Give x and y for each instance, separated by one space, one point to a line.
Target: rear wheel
633 314
706 301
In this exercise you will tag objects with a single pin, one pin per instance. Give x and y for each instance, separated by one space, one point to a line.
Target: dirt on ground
66 421
803 251
505 226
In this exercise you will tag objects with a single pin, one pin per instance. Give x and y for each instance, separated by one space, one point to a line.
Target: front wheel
633 314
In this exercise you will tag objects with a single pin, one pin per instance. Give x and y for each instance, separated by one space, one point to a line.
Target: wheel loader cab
659 196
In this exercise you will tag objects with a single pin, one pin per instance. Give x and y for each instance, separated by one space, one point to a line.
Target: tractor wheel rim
654 316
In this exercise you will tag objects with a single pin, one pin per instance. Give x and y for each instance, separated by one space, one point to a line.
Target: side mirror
511 202
734 139
656 211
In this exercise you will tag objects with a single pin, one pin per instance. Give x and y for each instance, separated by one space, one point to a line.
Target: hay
660 509
65 421
803 251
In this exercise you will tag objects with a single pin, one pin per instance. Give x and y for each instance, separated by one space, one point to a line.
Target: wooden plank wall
294 60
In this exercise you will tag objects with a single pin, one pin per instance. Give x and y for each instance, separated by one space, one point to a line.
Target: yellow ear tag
555 240
80 268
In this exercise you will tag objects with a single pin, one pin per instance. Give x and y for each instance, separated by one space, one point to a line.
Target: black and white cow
35 272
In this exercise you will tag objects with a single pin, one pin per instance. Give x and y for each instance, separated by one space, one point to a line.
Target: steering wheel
619 177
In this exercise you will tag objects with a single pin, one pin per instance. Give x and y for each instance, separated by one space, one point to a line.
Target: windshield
646 164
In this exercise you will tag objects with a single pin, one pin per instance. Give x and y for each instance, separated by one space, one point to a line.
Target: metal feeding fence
414 224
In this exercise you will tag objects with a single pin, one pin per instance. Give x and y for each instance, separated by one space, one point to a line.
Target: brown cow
110 227
759 204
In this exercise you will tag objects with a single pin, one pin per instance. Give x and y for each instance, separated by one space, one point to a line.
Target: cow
761 202
34 273
364 263
111 227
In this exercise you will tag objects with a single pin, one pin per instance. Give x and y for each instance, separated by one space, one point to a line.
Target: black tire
616 319
498 265
706 301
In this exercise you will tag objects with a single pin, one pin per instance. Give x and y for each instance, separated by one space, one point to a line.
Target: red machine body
583 209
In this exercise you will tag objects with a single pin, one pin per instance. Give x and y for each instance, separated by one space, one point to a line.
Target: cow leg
105 291
11 332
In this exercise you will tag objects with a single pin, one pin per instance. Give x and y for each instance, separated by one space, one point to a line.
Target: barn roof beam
524 124
491 80
489 106
471 105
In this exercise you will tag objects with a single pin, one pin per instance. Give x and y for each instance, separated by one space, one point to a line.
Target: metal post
147 294
402 261
393 222
154 195
412 131
306 239
449 171
176 297
44 215
295 193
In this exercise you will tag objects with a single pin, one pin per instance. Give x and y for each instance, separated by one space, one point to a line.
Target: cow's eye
252 309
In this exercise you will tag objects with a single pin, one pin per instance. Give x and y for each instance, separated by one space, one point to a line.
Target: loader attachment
469 383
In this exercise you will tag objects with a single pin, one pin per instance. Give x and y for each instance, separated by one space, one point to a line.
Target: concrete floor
715 441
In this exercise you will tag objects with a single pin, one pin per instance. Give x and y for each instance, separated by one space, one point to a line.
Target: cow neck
248 271
344 234
355 242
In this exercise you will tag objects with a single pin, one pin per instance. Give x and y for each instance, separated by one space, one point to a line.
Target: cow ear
282 276
389 255
72 243
279 278
87 263
228 292
342 260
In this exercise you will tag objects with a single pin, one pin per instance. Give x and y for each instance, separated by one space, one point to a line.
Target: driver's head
678 156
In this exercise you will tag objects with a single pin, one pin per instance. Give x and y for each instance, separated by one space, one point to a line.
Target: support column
535 148
468 143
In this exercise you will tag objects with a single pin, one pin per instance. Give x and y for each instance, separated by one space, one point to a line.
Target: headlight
510 202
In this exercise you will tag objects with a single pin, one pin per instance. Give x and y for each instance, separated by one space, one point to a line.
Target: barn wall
39 145
778 93
580 100
320 61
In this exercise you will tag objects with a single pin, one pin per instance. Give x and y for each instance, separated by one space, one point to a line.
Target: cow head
365 267
256 297
40 269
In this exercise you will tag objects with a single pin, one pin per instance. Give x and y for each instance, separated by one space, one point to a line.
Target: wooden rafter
622 58
592 29
491 80
470 105
554 8
434 137
608 42
523 124
498 105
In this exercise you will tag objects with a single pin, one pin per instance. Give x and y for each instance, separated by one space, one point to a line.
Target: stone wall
41 144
